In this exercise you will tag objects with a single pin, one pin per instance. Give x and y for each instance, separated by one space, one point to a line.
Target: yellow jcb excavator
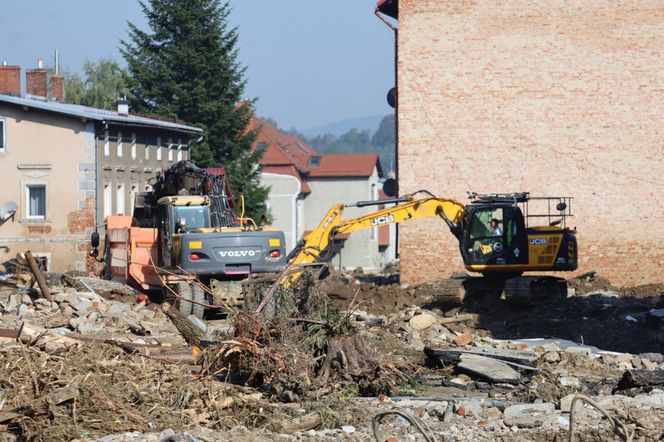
495 239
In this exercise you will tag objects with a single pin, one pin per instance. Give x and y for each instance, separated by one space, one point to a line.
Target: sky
308 64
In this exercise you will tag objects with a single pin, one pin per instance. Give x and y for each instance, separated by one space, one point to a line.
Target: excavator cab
494 235
497 235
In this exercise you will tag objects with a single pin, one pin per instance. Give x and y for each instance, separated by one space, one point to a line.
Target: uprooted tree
302 346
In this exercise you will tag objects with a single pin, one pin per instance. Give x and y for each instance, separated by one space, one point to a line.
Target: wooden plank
453 355
489 368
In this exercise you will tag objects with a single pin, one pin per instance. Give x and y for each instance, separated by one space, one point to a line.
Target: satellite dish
390 187
8 210
392 97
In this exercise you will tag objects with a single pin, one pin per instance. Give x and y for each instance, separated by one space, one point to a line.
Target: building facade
554 98
304 185
65 167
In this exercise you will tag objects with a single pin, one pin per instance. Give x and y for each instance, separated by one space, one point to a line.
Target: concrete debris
490 369
473 385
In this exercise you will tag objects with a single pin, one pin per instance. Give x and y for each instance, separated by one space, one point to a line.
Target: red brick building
554 98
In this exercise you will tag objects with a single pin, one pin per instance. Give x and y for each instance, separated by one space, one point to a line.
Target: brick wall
558 97
10 80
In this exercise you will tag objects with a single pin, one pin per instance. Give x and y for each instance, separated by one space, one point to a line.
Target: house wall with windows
67 167
41 166
128 157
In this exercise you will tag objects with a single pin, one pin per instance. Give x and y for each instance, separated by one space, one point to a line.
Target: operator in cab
496 230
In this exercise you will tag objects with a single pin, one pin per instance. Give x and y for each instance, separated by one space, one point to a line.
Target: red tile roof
346 165
289 154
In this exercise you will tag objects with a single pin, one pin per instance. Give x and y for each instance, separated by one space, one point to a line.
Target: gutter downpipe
390 25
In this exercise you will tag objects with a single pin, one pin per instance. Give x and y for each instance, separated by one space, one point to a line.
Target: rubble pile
98 361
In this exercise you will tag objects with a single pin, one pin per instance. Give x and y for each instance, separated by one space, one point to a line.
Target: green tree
384 135
186 66
104 83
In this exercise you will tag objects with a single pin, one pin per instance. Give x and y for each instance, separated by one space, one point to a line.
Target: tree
186 66
384 135
104 83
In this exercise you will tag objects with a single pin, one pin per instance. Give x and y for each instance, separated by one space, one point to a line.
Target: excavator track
530 290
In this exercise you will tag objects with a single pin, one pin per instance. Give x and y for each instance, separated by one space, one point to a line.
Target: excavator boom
411 207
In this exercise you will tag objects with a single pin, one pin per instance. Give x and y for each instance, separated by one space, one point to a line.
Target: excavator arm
410 207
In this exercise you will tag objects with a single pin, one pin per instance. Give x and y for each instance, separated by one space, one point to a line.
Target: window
261 146
108 200
314 161
107 144
120 199
3 136
481 223
35 196
133 146
179 149
147 150
158 148
170 149
132 196
119 143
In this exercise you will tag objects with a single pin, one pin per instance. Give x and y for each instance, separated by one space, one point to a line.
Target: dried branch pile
303 347
92 391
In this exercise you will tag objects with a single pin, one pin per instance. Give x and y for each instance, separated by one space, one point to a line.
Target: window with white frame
147 150
133 146
158 148
119 144
107 143
35 201
108 200
3 134
179 149
120 199
170 149
132 196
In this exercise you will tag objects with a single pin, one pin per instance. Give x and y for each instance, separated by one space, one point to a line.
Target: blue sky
309 63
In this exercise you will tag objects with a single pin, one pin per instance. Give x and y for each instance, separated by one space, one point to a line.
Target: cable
418 423
615 423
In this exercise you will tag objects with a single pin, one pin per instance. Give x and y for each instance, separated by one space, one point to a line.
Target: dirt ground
131 376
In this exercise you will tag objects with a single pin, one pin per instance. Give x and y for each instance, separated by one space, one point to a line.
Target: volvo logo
237 253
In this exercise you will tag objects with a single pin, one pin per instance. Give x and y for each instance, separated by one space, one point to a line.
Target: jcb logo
538 241
382 220
328 221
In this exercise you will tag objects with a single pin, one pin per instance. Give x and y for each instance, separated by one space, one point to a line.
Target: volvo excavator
495 236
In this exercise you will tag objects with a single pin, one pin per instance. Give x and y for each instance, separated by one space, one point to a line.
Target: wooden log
34 268
63 395
191 334
460 318
640 378
304 423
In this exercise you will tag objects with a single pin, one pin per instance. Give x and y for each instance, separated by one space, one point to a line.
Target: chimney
57 87
35 80
123 106
57 81
10 79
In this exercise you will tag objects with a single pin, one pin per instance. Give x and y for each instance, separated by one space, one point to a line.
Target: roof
389 7
90 113
291 155
347 165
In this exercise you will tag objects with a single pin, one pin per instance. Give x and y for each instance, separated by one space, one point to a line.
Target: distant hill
341 127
